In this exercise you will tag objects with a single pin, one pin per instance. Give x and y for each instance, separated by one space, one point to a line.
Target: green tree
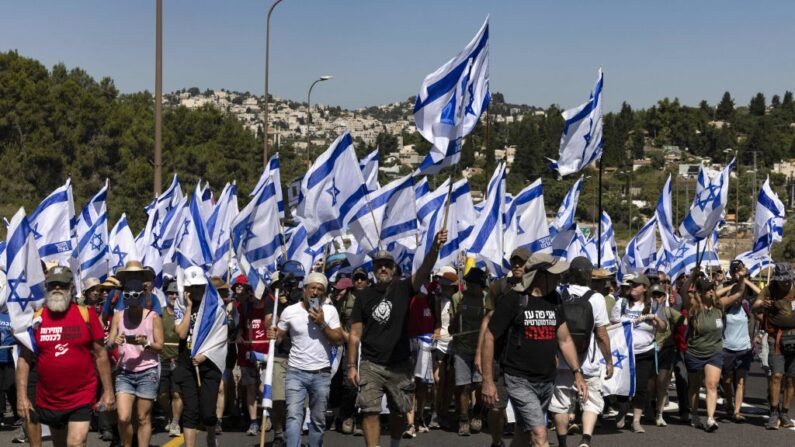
757 105
725 109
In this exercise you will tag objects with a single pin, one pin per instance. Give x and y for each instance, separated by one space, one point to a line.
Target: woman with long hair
637 308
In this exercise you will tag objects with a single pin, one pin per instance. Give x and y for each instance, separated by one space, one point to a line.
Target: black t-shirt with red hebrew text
532 348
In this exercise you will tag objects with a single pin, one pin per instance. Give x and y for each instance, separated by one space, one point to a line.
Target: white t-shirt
600 319
643 332
310 350
444 334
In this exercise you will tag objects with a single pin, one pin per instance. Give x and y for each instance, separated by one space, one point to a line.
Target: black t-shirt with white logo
383 310
533 345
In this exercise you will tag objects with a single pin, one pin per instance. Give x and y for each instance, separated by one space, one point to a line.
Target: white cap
446 269
317 278
627 278
194 276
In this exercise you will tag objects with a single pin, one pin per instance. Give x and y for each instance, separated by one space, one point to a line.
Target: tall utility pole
158 98
754 196
265 99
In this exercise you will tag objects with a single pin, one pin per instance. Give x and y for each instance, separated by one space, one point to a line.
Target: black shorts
739 361
167 383
33 378
59 419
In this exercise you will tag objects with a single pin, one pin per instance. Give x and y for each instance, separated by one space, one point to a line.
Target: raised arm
424 272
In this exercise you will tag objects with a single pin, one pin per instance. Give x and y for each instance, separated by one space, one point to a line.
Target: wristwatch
575 371
323 326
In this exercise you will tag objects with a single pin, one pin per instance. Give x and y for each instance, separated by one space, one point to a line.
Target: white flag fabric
272 173
298 248
451 100
460 222
608 248
486 241
205 197
219 227
122 247
669 241
391 213
623 381
527 222
582 141
209 335
641 251
52 224
690 254
708 206
24 291
768 228
92 236
194 246
332 191
563 227
151 245
369 165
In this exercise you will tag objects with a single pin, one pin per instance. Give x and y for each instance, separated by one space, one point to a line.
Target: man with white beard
67 335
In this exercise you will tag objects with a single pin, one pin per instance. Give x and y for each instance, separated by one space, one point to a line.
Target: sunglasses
385 265
58 285
133 295
360 278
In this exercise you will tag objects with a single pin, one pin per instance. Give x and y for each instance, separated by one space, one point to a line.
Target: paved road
749 434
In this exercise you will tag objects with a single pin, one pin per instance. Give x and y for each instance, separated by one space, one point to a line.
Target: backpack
577 313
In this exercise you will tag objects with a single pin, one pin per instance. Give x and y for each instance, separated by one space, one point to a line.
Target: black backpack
577 313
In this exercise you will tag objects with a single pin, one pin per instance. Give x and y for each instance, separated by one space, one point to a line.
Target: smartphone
314 303
129 339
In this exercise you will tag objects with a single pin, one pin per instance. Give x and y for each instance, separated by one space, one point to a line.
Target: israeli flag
271 173
641 251
167 240
257 237
527 222
768 228
92 235
149 243
24 292
669 241
460 223
209 335
332 191
687 256
219 227
194 246
421 188
708 206
52 224
205 197
369 166
563 227
298 248
623 381
391 212
608 248
582 141
122 247
486 242
451 100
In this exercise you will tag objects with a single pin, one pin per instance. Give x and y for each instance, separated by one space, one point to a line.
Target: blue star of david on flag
34 230
20 293
618 359
333 191
710 195
96 242
122 256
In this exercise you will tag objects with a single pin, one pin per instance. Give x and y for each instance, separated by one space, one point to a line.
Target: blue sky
379 51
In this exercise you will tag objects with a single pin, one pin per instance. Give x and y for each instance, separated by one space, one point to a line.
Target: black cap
476 275
133 285
581 264
383 255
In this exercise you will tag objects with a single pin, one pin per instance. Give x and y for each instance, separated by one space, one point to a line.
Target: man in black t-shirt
378 320
529 314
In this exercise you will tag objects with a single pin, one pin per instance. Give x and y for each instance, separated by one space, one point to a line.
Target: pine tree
725 110
757 105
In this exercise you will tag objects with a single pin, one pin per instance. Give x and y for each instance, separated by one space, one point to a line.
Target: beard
57 301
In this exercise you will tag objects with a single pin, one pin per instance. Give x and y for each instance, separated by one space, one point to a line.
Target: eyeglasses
385 265
58 285
360 278
133 295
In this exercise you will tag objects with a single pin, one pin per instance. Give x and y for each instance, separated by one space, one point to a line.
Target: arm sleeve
599 306
615 314
356 312
332 317
503 316
283 321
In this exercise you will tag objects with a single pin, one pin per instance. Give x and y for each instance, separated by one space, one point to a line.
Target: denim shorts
143 384
530 401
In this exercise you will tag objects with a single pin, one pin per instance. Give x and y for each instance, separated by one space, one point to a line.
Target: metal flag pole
599 219
266 391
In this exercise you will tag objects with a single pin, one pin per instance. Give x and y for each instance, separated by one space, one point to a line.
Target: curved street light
265 109
309 97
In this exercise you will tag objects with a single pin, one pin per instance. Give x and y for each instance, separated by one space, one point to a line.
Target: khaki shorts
396 381
565 396
279 378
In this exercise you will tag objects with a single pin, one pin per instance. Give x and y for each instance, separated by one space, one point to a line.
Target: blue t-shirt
6 338
735 335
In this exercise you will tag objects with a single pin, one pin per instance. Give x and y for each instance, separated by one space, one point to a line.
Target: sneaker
347 426
695 422
422 428
584 444
278 441
174 430
253 429
574 428
772 423
476 425
620 422
410 433
637 428
219 427
711 426
106 436
611 413
786 422
463 428
434 425
357 431
20 437
660 421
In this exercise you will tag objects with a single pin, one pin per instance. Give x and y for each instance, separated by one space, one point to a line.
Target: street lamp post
265 108
309 115
158 156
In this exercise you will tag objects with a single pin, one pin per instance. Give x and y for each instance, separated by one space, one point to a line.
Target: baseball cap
448 279
172 287
657 288
520 253
59 274
640 279
581 264
475 275
344 283
383 255
194 276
